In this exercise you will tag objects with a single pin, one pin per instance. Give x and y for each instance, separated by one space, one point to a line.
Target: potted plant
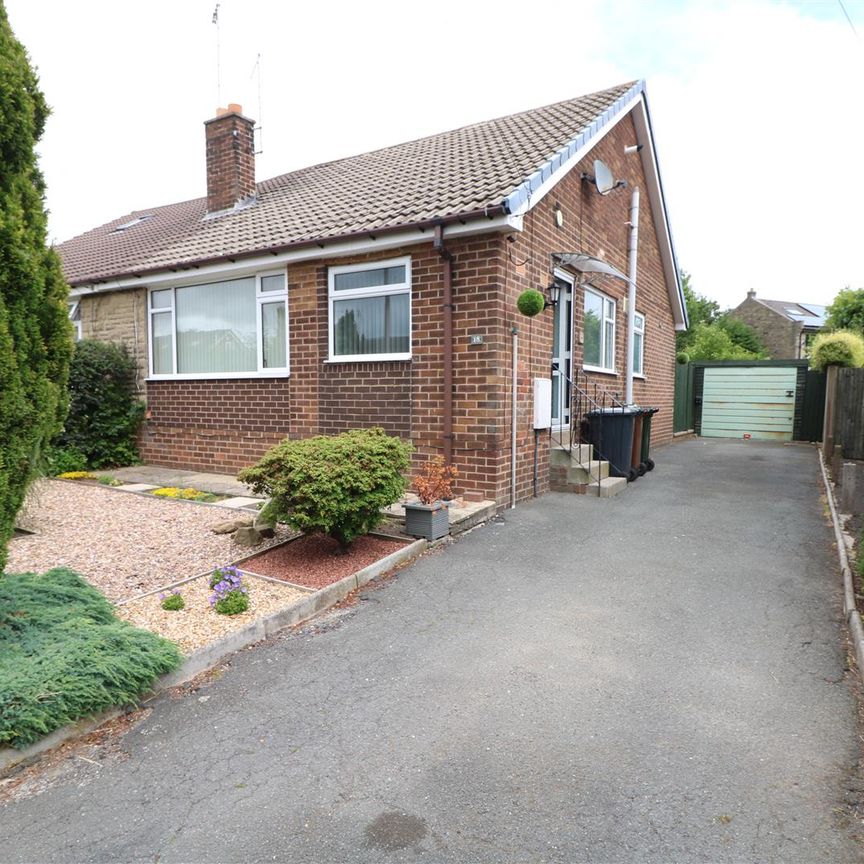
429 517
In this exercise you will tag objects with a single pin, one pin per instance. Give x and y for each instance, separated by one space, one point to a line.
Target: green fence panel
683 412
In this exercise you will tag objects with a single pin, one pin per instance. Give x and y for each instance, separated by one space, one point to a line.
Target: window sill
599 370
220 376
369 358
640 377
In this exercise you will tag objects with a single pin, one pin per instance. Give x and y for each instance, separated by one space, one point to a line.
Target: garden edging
208 657
850 607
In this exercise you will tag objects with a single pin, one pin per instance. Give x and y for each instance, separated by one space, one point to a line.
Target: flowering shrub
172 602
230 596
187 494
435 481
76 475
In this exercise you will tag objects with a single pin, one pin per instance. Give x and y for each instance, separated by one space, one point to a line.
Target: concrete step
611 486
580 454
587 472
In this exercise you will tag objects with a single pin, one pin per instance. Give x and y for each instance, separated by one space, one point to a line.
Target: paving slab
655 677
239 502
136 487
220 484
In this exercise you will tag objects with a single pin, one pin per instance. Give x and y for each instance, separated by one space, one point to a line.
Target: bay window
370 311
234 328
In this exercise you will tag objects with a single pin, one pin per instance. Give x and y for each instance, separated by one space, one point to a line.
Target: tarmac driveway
652 678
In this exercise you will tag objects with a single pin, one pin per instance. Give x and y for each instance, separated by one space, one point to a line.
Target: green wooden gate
682 418
749 402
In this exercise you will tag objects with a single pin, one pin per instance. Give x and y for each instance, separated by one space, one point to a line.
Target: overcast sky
757 106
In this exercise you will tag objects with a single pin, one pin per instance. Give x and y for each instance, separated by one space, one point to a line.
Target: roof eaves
521 195
322 243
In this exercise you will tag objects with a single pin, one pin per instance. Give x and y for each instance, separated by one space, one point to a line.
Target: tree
35 333
700 310
742 335
713 342
846 311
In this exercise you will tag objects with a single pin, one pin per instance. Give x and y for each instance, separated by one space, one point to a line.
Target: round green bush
682 357
336 486
840 348
173 603
531 302
232 603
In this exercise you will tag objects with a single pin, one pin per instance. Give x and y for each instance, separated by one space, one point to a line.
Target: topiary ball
531 302
682 357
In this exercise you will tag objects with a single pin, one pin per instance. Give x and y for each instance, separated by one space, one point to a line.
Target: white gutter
631 294
192 273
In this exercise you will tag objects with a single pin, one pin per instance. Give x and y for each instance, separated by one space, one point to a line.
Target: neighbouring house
381 290
785 327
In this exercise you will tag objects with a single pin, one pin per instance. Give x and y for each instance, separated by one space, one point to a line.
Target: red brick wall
230 149
223 425
214 425
596 225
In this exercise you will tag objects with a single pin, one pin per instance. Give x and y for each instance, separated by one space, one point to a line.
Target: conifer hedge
64 654
35 333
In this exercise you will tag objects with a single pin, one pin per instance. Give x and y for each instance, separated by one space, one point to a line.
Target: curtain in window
216 328
371 325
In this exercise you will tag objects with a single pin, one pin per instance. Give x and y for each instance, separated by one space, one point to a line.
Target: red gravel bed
314 562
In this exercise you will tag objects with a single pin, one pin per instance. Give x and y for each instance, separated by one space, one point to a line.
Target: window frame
74 306
371 292
261 298
641 332
604 298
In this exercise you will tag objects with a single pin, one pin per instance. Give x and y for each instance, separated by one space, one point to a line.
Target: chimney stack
230 158
751 294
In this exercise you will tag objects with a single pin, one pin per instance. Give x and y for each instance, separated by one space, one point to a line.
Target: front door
562 354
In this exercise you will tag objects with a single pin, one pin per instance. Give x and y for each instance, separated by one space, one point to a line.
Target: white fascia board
651 169
191 274
554 179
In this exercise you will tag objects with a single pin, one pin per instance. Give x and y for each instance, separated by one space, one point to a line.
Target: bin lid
625 411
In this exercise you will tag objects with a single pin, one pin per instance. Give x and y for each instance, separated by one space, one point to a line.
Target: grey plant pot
429 521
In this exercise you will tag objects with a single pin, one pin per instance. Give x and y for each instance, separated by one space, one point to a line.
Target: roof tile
439 177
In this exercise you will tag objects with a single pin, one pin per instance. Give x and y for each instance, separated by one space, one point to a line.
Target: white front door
562 354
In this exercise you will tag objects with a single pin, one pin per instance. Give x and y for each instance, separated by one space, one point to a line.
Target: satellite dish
603 179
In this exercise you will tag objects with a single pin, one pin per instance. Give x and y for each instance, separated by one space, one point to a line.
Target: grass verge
64 655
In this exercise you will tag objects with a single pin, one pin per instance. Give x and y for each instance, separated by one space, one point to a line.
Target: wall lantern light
554 292
558 216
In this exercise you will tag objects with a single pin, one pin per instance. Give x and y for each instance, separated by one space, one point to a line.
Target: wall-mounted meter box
542 403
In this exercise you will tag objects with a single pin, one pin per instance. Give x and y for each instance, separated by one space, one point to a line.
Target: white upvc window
75 318
639 345
370 311
237 328
598 343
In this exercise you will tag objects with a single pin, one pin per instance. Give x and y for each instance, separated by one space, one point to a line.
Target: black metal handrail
577 412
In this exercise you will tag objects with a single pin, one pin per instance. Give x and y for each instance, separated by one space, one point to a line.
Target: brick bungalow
785 327
381 290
